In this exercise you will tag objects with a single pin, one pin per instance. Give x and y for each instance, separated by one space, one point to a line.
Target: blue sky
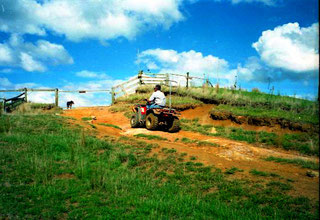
94 44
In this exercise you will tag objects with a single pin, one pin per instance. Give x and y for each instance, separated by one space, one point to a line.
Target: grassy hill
50 168
246 103
253 108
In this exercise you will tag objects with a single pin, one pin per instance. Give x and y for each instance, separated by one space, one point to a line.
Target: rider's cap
158 87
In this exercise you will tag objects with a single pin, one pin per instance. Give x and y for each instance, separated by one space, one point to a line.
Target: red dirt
202 113
230 153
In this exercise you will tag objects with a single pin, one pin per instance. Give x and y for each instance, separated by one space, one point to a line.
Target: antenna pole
170 92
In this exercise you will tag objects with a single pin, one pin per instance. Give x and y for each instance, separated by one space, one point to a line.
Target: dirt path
230 153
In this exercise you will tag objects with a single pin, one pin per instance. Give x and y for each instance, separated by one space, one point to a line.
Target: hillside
89 162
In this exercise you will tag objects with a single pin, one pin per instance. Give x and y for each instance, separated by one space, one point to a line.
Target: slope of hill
88 162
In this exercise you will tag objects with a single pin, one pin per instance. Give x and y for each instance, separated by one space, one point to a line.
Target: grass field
50 170
307 115
304 143
296 161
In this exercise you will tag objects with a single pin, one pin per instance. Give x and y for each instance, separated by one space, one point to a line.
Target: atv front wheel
152 122
134 121
174 126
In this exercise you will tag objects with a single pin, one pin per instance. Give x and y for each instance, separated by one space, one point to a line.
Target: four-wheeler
155 118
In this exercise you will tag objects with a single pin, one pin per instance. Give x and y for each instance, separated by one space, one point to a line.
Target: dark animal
69 104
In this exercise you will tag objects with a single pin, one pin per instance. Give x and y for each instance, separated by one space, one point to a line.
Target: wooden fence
11 103
130 86
125 88
56 92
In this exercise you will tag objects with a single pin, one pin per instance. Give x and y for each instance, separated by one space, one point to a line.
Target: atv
155 118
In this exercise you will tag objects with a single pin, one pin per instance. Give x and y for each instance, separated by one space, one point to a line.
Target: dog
69 104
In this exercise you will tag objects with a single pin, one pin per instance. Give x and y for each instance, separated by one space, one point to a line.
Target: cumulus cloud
171 61
290 47
253 70
198 65
77 20
188 61
32 57
91 74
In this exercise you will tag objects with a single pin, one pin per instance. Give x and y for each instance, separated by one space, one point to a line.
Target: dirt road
230 153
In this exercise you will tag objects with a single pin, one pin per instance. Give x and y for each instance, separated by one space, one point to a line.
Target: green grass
296 161
242 98
121 108
304 142
262 173
279 185
110 125
1 107
150 137
176 101
41 106
198 143
308 115
86 119
51 171
233 170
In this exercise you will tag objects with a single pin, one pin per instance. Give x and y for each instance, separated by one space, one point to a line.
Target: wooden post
187 80
57 97
3 109
140 77
26 94
167 79
112 96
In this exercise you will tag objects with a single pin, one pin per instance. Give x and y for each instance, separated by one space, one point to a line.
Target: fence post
57 97
187 80
167 80
26 94
140 77
112 96
3 109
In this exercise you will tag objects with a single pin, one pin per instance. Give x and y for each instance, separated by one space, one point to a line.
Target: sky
95 44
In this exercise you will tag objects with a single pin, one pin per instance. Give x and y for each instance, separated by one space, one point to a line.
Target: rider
157 99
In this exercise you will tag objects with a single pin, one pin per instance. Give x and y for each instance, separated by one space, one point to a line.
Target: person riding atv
157 99
154 115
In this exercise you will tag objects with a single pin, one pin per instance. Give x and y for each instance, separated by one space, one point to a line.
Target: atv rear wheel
152 122
174 125
134 121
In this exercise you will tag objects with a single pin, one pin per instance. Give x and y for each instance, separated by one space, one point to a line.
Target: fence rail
56 91
124 88
130 86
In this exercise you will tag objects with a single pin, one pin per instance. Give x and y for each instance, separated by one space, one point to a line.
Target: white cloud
266 2
170 61
198 65
5 54
255 71
97 19
90 74
29 64
32 57
5 82
290 47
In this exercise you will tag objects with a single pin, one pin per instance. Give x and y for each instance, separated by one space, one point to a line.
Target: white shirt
158 97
